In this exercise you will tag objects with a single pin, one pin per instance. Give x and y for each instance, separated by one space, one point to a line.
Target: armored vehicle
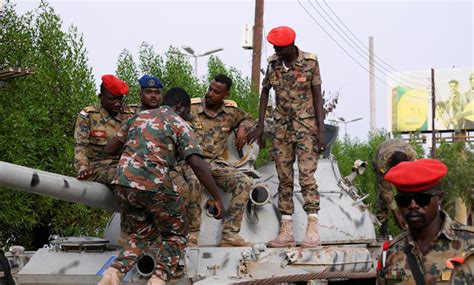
347 253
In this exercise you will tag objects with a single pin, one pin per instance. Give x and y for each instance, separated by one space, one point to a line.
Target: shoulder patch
230 103
460 227
308 55
272 58
196 100
91 109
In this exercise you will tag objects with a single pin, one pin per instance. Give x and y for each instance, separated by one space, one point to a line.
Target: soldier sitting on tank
213 120
95 125
419 255
390 153
153 141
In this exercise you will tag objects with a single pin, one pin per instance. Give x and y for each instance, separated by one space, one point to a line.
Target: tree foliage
37 121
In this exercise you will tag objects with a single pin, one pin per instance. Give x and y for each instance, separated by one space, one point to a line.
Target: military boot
285 236
312 233
155 280
193 239
111 277
234 241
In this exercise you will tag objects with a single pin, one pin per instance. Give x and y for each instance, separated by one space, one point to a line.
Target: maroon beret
281 36
115 85
416 176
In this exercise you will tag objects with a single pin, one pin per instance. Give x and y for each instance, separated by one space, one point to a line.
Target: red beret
281 36
115 85
416 176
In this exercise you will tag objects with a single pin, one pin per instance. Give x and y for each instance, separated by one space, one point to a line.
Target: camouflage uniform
212 132
452 239
296 128
464 273
94 128
381 165
154 141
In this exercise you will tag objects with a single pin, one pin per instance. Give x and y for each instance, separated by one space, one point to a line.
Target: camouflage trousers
160 221
385 198
285 151
230 180
190 188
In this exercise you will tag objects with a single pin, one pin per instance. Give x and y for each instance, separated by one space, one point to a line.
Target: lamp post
345 122
190 50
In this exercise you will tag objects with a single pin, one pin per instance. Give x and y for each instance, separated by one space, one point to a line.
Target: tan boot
193 239
312 233
155 280
285 236
235 240
111 277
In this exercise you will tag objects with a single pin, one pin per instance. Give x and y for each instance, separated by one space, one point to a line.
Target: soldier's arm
81 142
115 144
257 133
318 106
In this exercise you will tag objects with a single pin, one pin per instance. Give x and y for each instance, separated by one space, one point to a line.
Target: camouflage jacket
464 273
386 150
452 239
154 140
293 95
94 128
212 131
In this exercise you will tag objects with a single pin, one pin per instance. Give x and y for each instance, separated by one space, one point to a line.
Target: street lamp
345 122
190 50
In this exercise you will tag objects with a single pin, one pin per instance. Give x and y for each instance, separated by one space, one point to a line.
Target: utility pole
257 46
372 86
433 112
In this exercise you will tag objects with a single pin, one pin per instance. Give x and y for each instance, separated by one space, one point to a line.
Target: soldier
213 120
154 141
389 154
463 268
95 125
419 255
151 90
299 129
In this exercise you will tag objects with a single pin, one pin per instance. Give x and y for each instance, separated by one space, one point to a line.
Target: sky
408 35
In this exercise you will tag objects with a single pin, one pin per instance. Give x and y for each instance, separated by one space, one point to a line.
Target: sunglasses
422 199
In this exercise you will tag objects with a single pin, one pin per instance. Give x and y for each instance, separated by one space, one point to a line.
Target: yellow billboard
410 100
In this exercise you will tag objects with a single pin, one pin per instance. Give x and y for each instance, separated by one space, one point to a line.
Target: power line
356 47
361 43
341 47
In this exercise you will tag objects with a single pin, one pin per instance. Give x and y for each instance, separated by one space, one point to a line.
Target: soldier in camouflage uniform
95 126
153 141
389 154
299 129
419 255
463 268
213 120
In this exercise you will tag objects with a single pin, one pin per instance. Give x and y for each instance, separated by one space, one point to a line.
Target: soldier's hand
320 144
84 174
399 220
256 135
220 210
240 138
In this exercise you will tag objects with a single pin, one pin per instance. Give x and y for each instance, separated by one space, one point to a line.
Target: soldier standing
154 141
299 129
95 126
213 120
419 255
389 154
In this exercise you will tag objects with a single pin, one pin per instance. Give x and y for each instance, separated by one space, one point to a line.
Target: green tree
127 70
37 122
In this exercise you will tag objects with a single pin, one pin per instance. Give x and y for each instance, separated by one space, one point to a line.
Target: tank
348 243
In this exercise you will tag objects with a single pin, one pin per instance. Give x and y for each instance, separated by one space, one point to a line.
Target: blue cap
150 81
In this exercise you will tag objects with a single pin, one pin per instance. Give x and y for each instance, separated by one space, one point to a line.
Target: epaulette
230 103
196 100
308 55
461 227
131 108
397 239
91 109
272 58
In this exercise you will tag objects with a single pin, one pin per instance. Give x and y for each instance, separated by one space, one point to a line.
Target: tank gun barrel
57 186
